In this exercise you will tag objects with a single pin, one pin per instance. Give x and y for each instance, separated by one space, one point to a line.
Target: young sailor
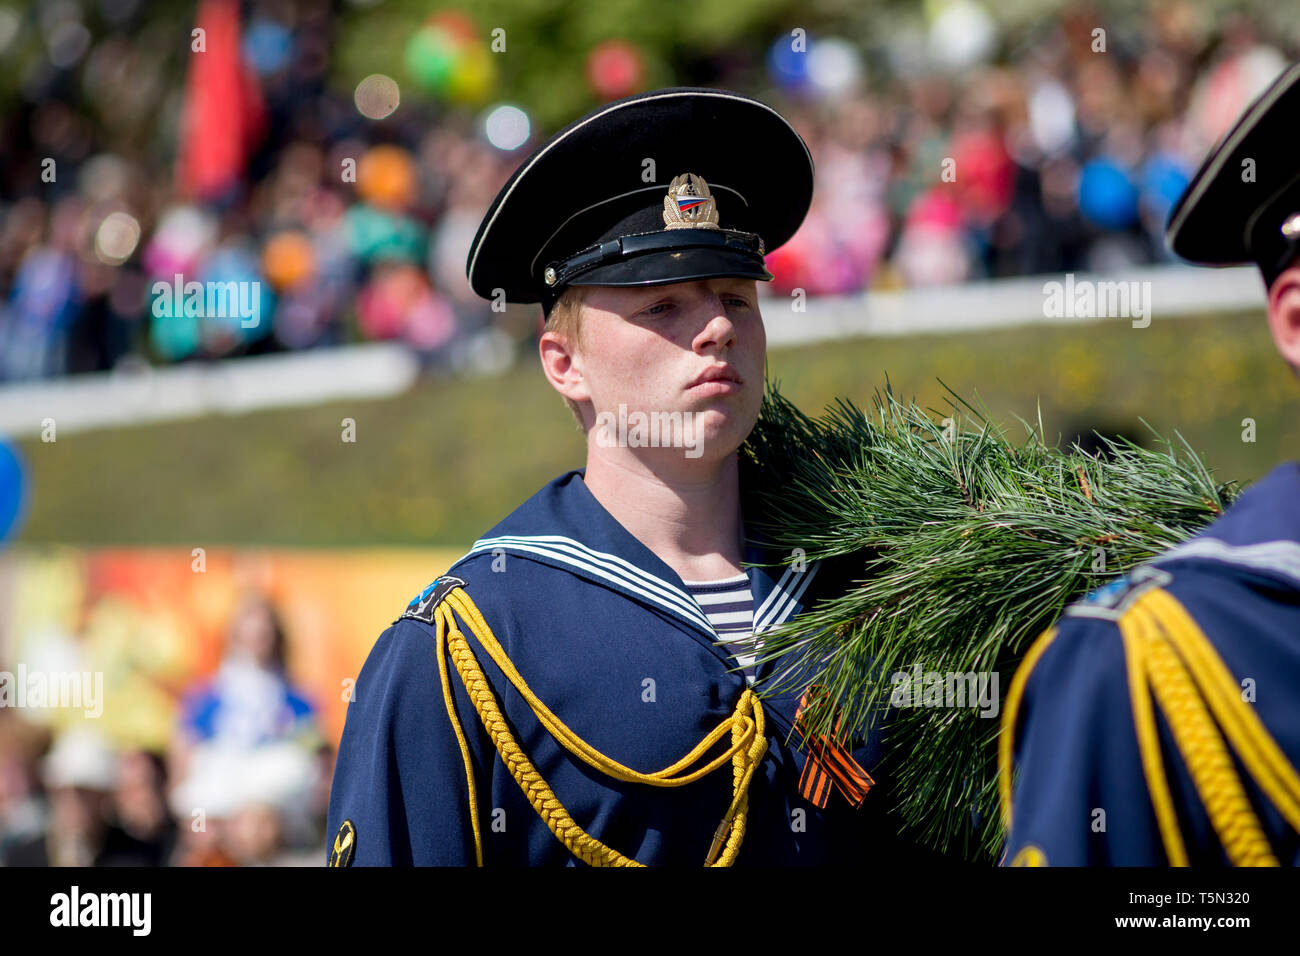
563 694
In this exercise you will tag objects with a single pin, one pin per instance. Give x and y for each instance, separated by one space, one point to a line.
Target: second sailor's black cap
667 186
1243 205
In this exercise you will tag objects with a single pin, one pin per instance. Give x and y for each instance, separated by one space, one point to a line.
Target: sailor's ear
1284 314
562 365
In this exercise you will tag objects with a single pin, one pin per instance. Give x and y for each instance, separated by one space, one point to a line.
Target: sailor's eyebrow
729 285
739 285
645 300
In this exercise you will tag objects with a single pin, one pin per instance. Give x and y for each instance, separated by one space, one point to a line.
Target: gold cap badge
689 205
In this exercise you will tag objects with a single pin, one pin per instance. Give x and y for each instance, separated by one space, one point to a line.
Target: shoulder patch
423 604
345 845
1029 855
1114 598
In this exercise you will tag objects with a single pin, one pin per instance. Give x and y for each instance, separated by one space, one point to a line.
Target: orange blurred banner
153 621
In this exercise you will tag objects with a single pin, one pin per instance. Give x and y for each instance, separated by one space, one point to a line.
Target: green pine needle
964 547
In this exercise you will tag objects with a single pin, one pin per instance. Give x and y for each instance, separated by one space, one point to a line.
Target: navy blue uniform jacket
609 638
1076 748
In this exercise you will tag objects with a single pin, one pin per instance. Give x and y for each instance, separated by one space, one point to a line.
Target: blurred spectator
22 808
245 759
78 775
147 832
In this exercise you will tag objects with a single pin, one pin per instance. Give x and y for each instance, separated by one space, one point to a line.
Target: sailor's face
691 347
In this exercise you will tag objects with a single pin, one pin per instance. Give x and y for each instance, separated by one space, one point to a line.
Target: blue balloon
1164 179
13 490
1107 196
239 265
788 67
267 45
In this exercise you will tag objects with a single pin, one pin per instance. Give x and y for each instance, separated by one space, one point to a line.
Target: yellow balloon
473 77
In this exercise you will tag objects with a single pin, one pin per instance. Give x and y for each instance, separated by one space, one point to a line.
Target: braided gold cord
460 601
1144 726
746 725
1263 758
1010 711
449 700
1198 740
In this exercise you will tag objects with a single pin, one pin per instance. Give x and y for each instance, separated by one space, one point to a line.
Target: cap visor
677 265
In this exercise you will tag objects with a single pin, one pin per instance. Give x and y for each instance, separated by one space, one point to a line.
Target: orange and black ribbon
829 762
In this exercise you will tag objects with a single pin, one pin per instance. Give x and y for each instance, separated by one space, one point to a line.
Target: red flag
223 118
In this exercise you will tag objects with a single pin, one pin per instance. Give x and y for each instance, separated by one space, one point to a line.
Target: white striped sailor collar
1259 533
564 526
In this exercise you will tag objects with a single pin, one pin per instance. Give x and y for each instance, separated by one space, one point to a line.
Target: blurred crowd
244 782
1045 152
1066 154
354 230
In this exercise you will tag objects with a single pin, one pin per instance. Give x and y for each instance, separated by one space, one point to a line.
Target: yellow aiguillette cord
746 727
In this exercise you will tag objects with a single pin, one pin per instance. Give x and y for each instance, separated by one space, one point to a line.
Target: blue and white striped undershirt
728 603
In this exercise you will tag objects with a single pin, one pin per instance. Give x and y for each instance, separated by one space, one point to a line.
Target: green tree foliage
547 42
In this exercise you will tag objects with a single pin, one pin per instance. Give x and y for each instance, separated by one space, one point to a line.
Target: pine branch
965 547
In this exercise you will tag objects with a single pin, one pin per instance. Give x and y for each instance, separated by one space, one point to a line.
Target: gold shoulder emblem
1029 855
345 845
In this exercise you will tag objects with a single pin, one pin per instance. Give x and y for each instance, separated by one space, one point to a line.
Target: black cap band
565 272
1273 231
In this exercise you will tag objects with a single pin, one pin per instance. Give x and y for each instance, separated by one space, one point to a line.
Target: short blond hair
565 321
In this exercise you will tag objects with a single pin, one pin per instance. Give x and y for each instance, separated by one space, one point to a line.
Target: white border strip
1279 557
606 566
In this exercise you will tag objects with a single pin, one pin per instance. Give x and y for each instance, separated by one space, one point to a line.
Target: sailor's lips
718 380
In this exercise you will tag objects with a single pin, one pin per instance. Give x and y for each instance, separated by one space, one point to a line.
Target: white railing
132 396
1175 291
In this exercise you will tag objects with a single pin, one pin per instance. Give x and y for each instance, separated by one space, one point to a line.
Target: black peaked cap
1243 204
591 205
